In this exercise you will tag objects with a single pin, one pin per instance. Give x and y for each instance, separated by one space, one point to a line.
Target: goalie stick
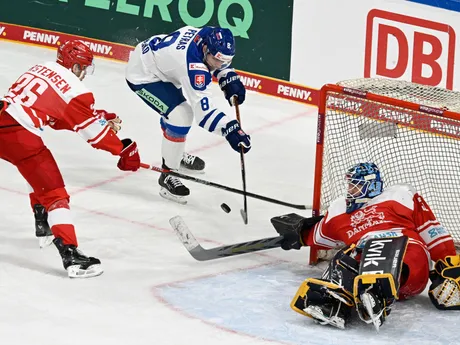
201 254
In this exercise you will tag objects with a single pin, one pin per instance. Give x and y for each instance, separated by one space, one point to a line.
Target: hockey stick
228 189
244 211
199 253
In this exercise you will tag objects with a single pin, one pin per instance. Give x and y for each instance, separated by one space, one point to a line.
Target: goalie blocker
444 290
363 279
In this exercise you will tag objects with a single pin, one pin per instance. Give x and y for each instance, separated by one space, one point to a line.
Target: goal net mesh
409 146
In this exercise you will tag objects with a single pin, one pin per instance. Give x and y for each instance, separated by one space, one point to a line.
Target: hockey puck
226 208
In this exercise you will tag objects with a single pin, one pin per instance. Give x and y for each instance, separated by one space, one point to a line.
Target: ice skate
190 163
76 263
42 228
372 310
173 189
328 314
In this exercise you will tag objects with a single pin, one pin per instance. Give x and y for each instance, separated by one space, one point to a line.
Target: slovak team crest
199 80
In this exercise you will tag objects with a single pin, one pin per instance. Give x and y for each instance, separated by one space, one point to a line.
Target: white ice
152 290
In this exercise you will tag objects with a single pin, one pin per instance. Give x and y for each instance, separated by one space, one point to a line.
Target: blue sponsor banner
452 5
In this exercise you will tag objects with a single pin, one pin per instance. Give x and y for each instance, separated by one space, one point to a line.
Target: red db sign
419 50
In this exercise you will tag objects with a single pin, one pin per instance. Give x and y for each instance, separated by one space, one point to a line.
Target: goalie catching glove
444 290
290 226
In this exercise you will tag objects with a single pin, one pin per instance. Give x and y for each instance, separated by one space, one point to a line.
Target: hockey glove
290 226
113 121
236 136
3 106
129 156
231 85
444 290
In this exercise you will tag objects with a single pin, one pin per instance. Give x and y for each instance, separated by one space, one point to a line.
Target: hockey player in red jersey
52 94
387 239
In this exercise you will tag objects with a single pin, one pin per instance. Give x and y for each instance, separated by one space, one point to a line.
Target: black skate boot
192 163
76 263
173 189
42 228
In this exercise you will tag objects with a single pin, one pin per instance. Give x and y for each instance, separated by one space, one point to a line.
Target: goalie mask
363 183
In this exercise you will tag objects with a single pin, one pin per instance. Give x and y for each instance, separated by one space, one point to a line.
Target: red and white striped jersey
50 94
398 211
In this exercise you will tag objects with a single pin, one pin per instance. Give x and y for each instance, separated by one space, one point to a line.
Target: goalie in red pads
52 94
386 238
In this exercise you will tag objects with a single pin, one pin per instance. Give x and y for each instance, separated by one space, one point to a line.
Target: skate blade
75 271
318 316
374 319
186 171
167 195
45 241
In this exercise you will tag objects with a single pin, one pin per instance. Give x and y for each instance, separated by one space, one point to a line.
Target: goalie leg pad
326 303
342 269
376 287
329 300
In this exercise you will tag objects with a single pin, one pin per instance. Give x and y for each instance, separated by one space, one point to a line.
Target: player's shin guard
60 222
172 148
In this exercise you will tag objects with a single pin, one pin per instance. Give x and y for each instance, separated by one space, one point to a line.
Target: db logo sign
399 46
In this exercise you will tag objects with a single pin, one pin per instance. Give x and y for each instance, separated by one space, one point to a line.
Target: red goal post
411 131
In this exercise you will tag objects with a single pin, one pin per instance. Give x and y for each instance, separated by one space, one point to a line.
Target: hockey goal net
411 131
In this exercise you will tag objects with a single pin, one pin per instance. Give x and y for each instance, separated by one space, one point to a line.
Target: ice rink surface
152 290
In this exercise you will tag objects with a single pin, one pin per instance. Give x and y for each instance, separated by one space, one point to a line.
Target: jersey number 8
204 103
157 43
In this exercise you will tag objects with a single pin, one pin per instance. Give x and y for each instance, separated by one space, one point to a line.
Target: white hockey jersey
178 58
51 95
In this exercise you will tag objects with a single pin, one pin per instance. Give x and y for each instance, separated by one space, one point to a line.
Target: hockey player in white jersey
171 74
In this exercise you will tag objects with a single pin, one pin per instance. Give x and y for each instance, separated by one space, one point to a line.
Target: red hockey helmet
75 52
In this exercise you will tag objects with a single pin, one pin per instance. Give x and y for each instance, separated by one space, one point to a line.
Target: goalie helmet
221 44
73 53
363 183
